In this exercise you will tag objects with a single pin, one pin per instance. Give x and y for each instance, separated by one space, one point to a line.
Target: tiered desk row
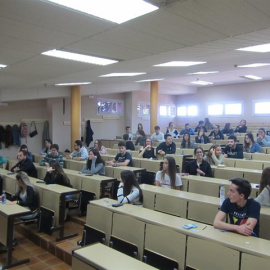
159 233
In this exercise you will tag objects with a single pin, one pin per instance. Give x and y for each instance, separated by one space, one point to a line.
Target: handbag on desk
34 132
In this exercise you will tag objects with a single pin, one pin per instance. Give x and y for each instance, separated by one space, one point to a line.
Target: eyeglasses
199 152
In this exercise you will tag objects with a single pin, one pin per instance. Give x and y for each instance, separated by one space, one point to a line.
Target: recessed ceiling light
117 11
150 80
255 65
201 82
203 72
251 77
179 64
258 48
123 74
2 66
72 83
80 57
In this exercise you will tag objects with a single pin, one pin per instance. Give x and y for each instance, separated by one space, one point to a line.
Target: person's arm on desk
244 229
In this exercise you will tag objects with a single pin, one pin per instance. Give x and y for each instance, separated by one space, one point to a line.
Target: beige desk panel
4 229
204 188
37 158
109 171
149 199
136 162
265 223
252 177
207 255
102 257
185 183
9 184
151 165
130 230
111 151
100 219
75 181
41 172
12 162
171 205
250 262
202 212
155 236
249 164
229 162
80 265
227 174
51 200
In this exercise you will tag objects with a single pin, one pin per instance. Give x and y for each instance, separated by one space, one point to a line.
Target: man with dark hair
80 152
187 129
47 149
54 155
167 147
263 139
244 212
24 165
128 131
233 150
157 136
129 144
123 158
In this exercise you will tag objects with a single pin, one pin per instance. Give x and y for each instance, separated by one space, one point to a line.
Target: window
215 109
191 110
167 110
233 109
261 107
110 106
143 109
225 109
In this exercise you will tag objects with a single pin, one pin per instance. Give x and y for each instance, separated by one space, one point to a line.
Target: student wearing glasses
199 166
147 151
98 146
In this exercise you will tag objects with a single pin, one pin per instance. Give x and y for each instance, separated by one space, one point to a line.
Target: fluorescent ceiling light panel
202 72
254 65
72 83
201 83
117 11
123 74
2 66
258 48
179 64
150 80
252 77
80 57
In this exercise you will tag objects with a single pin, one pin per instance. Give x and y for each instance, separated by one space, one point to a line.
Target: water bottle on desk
4 198
222 194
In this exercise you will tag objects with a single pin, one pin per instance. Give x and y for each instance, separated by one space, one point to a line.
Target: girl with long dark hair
95 164
129 190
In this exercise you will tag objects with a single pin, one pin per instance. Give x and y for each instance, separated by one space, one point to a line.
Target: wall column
154 106
75 116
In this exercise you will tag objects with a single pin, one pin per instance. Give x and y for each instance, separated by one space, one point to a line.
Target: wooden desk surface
189 196
236 169
150 216
102 257
13 210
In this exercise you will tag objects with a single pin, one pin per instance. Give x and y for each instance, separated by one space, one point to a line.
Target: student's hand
68 157
12 203
244 229
47 164
200 172
212 151
50 170
184 174
225 155
148 147
161 152
16 169
260 136
200 133
110 163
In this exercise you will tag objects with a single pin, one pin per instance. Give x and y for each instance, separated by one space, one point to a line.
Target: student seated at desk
214 155
147 151
24 165
244 212
123 158
264 196
54 155
250 145
233 150
25 148
56 175
167 147
47 149
94 164
216 133
201 137
26 195
263 139
129 190
199 166
101 148
129 144
79 153
3 162
168 177
187 143
242 127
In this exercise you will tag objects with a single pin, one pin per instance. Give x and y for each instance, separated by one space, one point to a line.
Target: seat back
91 236
124 247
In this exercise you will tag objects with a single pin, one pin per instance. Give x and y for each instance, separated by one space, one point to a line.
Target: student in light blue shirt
250 145
80 152
263 139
